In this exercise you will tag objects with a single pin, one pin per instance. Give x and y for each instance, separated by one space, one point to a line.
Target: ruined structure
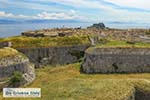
98 26
49 32
5 44
116 60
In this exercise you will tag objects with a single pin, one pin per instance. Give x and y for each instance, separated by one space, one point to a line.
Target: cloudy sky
85 10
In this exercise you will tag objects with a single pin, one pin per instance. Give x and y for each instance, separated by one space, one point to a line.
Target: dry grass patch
7 52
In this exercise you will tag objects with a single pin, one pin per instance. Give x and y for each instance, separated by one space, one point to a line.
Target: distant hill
119 22
10 21
7 21
52 21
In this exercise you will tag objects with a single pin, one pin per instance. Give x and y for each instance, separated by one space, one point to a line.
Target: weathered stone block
5 44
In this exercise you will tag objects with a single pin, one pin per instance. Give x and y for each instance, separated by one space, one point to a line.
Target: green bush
147 32
103 41
130 42
16 78
78 54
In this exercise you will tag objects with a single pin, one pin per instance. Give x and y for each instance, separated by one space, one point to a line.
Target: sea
8 30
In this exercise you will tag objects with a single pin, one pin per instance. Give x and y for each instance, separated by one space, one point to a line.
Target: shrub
16 79
130 42
78 54
147 32
103 41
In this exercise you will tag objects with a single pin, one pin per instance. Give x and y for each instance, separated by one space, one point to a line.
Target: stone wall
116 60
54 55
5 44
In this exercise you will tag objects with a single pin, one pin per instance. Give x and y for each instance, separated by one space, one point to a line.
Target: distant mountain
11 21
118 22
52 21
7 21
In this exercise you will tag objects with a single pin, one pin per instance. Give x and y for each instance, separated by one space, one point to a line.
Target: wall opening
115 66
141 94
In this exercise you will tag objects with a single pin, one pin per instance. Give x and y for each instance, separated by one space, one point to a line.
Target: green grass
119 44
67 83
28 42
78 39
125 44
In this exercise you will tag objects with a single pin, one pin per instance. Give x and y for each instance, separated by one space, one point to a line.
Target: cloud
10 15
45 15
89 10
127 16
27 5
3 14
70 15
81 3
141 4
111 10
104 4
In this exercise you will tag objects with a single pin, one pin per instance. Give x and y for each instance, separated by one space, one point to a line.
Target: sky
84 10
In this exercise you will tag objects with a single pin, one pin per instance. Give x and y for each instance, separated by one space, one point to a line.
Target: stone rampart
54 55
116 60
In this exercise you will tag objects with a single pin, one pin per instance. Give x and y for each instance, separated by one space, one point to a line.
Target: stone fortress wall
96 60
54 55
116 60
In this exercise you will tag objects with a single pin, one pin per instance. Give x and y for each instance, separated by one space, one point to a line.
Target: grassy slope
61 83
5 52
115 43
28 42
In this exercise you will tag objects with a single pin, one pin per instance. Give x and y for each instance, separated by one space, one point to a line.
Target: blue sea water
7 30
